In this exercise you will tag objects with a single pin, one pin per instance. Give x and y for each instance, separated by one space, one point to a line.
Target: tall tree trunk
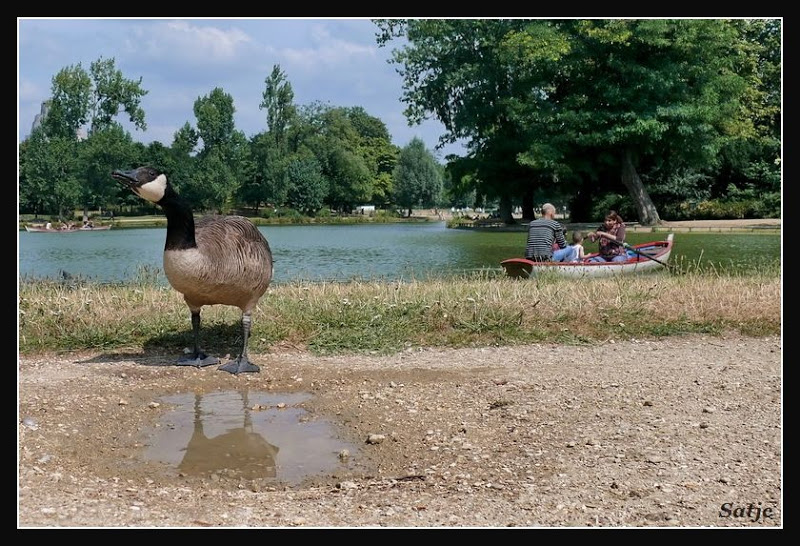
580 205
528 215
648 215
506 211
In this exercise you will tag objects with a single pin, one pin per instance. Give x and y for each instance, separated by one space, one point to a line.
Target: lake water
383 252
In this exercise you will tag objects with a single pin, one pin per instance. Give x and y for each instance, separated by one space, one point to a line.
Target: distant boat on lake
45 229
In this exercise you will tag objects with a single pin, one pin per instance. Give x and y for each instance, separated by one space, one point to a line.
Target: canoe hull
659 251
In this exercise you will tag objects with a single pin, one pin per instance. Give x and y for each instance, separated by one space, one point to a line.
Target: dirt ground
683 432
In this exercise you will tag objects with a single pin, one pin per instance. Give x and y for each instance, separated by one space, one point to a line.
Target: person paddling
611 237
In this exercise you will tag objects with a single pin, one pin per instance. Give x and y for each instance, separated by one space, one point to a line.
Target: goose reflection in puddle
246 435
239 450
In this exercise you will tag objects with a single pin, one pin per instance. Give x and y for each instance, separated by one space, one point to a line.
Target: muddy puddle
248 435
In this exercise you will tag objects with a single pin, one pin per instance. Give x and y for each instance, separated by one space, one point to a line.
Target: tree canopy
582 102
417 178
647 116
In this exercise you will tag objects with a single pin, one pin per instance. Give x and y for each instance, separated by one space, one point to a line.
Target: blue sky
333 61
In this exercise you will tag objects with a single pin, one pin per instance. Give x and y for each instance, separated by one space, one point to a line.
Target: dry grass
386 317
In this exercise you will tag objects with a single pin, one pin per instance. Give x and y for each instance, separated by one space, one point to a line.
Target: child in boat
578 252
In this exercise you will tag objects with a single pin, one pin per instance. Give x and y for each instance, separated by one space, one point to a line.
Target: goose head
146 182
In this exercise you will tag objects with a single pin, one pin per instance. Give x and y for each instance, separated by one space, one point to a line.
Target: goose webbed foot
198 360
240 365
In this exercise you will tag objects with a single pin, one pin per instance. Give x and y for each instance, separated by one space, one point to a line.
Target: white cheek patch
153 191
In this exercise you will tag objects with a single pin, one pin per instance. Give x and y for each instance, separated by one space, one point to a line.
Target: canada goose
218 260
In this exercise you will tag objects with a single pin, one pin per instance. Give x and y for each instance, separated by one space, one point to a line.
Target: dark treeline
674 119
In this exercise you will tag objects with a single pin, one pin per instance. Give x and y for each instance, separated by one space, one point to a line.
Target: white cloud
326 50
184 42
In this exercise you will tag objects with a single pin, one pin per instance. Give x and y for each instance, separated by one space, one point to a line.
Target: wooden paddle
626 246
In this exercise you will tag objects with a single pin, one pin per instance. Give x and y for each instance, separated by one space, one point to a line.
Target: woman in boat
610 235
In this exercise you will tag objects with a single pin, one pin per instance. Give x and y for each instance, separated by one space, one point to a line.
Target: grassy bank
157 220
336 318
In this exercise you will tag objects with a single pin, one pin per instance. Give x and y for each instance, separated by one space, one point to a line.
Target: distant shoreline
733 225
704 226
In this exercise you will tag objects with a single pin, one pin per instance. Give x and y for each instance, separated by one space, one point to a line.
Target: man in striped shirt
542 233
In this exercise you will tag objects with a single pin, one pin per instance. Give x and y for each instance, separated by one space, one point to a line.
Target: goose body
218 260
228 266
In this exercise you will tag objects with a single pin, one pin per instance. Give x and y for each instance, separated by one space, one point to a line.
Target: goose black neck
180 222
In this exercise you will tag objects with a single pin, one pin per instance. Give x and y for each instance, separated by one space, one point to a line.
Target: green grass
383 318
159 220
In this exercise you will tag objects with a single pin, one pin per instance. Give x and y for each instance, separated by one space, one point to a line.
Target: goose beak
127 178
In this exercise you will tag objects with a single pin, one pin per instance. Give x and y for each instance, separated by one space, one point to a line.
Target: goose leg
197 357
242 364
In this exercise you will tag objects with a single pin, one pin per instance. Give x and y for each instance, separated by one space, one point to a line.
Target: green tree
307 186
219 174
182 161
349 179
94 98
752 161
634 92
458 72
224 162
587 99
278 101
352 148
417 177
270 150
106 149
27 198
212 182
113 92
185 140
374 145
50 173
80 98
269 183
214 114
68 108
